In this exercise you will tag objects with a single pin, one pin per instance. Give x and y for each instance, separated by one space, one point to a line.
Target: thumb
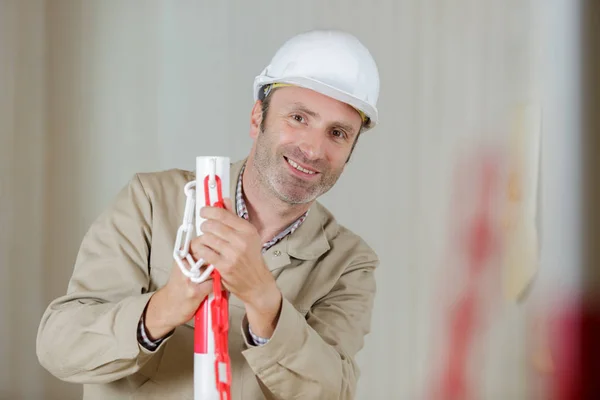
203 289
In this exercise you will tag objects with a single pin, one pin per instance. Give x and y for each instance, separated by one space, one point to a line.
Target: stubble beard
274 177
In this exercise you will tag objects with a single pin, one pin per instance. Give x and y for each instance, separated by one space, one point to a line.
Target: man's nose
312 144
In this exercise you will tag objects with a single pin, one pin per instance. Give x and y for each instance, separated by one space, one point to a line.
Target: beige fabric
325 272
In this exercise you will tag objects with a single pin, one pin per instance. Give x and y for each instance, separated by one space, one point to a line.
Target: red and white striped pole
212 374
204 353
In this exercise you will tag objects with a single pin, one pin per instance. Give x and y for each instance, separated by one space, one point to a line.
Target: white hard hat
333 63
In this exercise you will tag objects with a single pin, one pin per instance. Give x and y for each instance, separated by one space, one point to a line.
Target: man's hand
234 247
175 303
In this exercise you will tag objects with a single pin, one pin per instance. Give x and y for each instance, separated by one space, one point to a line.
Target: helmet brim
323 88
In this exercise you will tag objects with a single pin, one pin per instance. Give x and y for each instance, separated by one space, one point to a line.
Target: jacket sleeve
313 357
90 334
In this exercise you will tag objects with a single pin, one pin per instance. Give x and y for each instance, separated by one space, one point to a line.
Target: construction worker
301 285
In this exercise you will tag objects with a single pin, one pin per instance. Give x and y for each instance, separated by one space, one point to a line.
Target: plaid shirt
242 212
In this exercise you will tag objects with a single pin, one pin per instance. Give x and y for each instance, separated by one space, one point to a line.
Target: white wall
22 194
93 91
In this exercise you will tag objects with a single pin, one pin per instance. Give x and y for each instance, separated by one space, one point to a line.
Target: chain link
181 251
219 307
220 325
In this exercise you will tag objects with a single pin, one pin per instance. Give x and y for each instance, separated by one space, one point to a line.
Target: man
301 286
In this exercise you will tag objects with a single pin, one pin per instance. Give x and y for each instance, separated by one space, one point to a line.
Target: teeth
299 168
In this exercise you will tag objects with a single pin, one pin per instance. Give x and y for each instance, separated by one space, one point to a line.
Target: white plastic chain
181 253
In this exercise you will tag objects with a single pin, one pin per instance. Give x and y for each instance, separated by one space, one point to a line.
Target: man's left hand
233 246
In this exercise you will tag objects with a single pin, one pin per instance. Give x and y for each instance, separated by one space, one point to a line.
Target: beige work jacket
89 336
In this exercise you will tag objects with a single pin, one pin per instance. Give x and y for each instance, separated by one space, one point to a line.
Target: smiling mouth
295 165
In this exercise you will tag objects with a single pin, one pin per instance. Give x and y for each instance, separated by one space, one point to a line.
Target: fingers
226 217
203 289
229 205
208 247
178 277
215 251
230 238
223 231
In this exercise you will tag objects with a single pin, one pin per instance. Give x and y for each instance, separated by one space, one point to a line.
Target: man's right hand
174 304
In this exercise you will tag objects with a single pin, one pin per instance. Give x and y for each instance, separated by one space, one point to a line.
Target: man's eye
338 134
298 118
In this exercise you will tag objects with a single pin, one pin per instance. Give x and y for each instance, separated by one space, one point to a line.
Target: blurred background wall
94 91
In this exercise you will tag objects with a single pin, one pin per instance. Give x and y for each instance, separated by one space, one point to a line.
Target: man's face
306 141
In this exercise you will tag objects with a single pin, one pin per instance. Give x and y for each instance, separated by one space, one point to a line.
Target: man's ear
256 119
